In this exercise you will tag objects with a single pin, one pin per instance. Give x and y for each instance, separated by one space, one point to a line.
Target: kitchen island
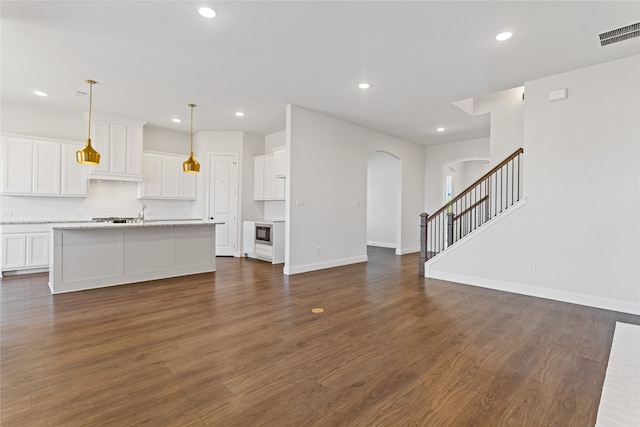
95 255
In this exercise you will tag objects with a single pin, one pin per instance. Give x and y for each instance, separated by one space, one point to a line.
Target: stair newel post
423 243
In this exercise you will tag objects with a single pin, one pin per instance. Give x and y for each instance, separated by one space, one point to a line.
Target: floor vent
619 34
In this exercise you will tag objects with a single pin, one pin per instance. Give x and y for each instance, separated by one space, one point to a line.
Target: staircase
489 196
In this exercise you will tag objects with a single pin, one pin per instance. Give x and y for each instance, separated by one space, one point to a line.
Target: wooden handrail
478 181
470 208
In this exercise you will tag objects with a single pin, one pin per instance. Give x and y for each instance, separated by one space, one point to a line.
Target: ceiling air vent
620 34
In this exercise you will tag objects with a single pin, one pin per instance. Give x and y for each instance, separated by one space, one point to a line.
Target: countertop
146 224
88 221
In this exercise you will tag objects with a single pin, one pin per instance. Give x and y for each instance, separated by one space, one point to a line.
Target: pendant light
191 165
88 156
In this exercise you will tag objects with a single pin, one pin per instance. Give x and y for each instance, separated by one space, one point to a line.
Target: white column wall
326 192
577 237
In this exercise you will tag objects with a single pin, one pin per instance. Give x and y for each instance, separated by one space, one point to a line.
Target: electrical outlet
532 269
6 214
317 250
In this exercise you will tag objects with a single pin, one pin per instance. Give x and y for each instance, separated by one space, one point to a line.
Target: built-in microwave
263 233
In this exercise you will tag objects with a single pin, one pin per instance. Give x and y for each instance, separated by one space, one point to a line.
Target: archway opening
383 200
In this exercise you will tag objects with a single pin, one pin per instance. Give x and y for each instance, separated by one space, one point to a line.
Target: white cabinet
265 184
248 237
171 171
151 186
280 162
37 250
119 142
273 252
165 179
17 165
14 251
74 176
269 179
46 168
39 167
25 247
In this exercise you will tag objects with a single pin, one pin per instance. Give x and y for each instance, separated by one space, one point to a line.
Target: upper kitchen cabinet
165 179
119 142
39 167
265 184
17 166
280 162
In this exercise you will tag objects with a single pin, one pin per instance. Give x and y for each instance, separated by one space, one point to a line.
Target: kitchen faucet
141 214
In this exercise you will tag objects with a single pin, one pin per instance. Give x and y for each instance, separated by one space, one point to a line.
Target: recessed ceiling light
440 129
40 93
364 85
504 36
176 120
239 113
207 12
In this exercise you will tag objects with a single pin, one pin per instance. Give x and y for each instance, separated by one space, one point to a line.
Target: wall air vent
619 34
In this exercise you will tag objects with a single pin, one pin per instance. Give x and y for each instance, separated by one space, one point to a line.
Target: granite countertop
87 221
146 224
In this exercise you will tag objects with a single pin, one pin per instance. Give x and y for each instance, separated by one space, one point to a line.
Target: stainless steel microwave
264 233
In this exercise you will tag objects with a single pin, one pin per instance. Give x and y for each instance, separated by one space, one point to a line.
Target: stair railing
490 195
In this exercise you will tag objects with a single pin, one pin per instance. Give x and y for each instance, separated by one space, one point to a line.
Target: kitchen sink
117 220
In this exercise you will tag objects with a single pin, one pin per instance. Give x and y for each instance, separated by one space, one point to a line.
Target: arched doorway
459 174
383 200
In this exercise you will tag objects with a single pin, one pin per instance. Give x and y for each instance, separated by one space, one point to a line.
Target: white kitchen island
95 255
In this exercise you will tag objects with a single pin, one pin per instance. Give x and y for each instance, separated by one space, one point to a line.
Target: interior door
223 201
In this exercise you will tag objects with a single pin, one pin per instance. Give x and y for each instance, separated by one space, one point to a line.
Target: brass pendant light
191 165
88 156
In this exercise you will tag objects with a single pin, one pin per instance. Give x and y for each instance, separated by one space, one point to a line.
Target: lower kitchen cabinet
14 253
25 250
272 251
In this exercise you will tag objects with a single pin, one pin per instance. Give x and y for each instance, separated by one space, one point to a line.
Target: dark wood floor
241 347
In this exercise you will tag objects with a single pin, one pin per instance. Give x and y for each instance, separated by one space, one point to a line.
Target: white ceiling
153 58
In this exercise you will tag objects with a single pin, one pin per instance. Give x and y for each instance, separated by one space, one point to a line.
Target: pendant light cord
91 82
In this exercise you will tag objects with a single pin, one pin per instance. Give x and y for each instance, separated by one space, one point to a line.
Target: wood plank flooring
241 347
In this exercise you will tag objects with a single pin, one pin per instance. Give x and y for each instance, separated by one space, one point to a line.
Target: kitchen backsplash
105 198
274 209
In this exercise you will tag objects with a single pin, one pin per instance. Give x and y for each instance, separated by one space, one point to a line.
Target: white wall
277 139
383 197
579 229
506 110
327 190
55 123
438 156
166 141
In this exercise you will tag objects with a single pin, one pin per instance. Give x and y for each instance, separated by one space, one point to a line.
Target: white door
223 201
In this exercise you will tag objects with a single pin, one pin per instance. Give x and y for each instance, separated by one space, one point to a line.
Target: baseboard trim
535 291
404 251
304 268
381 244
